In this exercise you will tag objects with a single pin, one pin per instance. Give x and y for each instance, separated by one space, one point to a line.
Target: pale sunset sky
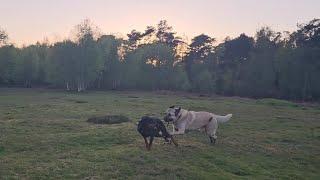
29 21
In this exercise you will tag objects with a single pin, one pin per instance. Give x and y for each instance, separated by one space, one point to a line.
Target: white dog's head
172 114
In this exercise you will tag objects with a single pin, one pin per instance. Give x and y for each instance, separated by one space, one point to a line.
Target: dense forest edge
273 64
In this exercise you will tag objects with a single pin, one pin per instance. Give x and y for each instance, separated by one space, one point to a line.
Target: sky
29 21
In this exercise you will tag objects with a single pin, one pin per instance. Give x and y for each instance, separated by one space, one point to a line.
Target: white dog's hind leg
212 129
213 137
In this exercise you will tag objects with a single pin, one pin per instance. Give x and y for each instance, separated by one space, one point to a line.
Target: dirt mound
111 119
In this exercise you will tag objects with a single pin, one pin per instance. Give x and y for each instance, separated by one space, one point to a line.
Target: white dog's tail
223 119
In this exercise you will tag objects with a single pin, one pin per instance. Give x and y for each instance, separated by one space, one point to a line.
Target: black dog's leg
146 142
150 143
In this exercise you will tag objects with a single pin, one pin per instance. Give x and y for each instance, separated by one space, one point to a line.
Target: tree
233 54
299 65
28 68
203 82
8 64
308 35
259 74
166 35
149 66
134 37
63 58
271 64
111 73
89 63
179 78
41 49
197 58
3 37
237 50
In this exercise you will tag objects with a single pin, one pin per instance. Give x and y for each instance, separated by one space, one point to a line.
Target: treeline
270 64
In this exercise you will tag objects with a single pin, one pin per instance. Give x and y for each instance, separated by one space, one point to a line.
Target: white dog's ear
177 111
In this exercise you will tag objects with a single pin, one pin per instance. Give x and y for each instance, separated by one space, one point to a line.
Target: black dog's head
172 114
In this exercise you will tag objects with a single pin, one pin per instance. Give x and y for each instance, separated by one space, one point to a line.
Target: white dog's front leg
181 129
179 132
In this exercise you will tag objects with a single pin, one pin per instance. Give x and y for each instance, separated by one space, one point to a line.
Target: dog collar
179 116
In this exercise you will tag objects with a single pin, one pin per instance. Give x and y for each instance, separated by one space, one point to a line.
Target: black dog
153 127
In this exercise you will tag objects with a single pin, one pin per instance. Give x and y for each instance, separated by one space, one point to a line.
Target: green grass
44 135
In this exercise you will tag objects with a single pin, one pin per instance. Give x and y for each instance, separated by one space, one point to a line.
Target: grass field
44 135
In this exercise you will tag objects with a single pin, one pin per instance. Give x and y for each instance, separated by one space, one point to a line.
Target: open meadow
44 135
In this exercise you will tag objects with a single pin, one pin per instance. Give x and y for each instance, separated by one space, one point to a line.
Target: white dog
183 119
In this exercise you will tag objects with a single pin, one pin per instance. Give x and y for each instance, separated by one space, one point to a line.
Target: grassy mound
276 102
112 119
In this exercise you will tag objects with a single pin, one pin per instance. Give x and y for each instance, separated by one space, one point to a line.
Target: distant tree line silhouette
270 64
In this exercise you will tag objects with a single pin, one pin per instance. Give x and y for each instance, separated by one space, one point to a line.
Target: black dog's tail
139 127
140 123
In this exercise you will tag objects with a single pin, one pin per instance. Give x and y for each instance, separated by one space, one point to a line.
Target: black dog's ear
171 107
